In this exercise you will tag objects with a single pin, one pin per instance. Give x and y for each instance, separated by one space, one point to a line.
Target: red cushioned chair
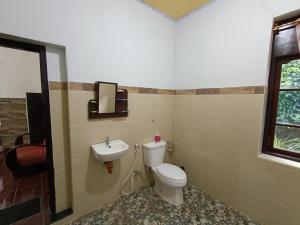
26 158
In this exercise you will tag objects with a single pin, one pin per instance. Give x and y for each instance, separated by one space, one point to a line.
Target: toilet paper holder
170 147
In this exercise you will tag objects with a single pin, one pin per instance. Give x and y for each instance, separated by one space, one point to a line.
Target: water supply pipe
109 166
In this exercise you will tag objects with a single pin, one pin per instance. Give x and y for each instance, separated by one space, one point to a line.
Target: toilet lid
171 172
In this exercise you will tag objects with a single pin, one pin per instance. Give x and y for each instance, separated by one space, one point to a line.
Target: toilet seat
171 175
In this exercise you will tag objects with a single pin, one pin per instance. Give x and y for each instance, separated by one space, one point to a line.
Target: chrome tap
107 141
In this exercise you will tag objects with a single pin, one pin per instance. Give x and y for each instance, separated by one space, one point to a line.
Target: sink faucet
107 141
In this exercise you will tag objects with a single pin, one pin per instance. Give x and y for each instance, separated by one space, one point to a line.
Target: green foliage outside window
289 101
288 111
289 143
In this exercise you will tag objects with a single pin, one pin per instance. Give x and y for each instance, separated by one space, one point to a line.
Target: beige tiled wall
217 139
61 148
149 114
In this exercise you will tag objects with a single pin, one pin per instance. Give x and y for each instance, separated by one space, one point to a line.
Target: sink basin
105 153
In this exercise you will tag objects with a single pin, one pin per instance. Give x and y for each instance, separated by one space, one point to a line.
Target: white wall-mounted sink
109 152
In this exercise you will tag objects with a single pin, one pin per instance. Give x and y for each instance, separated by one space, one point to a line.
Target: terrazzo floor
146 208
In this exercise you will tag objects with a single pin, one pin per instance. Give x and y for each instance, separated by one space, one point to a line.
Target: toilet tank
154 153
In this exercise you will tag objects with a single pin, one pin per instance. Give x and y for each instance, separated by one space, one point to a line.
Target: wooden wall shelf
121 107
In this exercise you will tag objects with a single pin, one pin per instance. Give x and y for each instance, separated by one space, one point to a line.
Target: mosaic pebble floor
146 208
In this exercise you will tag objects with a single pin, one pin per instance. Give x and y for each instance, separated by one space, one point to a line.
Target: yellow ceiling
176 9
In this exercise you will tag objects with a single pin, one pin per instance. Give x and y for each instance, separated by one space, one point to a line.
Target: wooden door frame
41 50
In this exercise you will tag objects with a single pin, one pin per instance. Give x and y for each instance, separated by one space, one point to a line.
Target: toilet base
172 195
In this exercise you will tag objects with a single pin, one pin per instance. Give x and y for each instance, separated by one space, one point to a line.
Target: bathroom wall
116 41
123 41
217 139
61 148
227 43
56 68
217 129
17 67
149 114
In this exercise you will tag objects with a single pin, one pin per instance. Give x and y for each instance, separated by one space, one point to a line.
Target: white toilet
169 179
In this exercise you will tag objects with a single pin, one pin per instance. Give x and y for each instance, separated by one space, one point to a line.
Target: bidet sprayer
136 148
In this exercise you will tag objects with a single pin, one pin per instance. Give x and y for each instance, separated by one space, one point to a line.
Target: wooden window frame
272 107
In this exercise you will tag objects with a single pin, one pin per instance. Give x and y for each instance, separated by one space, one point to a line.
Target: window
282 125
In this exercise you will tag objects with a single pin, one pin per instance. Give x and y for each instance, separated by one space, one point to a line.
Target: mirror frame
98 93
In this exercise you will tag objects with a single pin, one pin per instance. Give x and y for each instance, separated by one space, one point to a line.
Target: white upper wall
224 44
17 68
118 41
227 43
56 64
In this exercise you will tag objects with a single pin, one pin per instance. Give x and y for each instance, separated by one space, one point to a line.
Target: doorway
27 193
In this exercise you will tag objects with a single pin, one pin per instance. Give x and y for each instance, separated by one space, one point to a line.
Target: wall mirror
106 95
110 101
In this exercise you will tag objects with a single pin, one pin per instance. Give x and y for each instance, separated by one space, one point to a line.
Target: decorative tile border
143 90
56 85
223 91
78 86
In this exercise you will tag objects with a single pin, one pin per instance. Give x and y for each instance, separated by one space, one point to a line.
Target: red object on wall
109 166
29 155
157 138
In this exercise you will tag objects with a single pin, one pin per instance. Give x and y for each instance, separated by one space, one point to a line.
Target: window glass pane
287 138
288 111
290 75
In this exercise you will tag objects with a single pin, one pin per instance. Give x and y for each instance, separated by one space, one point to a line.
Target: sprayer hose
131 175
